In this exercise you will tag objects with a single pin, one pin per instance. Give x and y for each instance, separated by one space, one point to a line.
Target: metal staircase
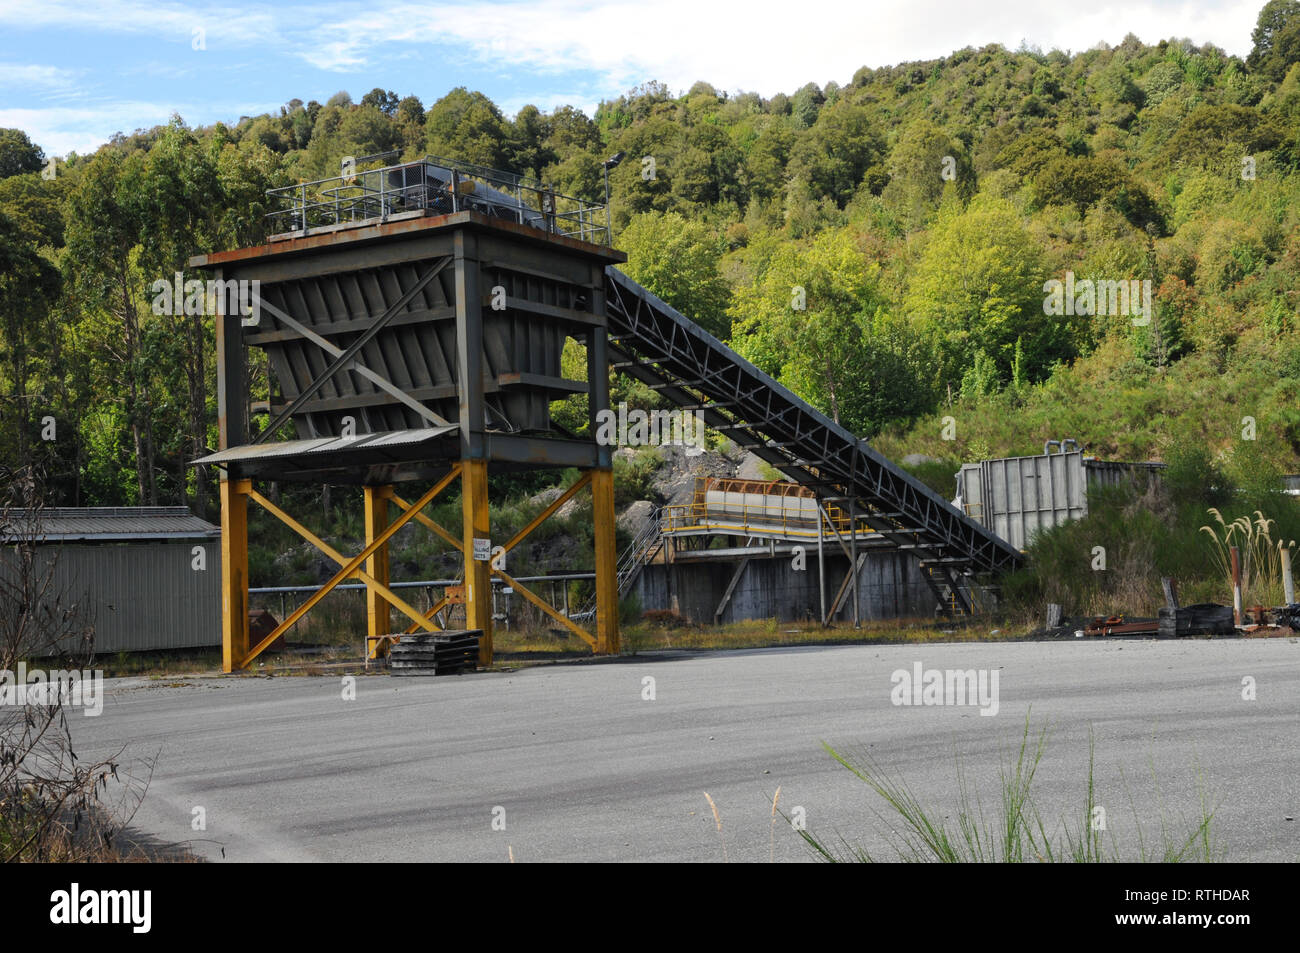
645 546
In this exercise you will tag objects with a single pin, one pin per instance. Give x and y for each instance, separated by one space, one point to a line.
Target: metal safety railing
286 594
435 184
643 548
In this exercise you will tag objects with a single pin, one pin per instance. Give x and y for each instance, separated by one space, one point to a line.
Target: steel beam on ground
821 572
853 558
731 587
849 581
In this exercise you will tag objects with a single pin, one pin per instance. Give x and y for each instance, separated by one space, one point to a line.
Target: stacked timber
1206 618
440 653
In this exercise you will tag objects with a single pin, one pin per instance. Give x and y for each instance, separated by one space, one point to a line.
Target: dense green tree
978 289
678 260
18 154
832 159
383 100
923 161
527 150
468 126
365 131
35 206
1082 182
814 320
104 226
765 163
1276 39
29 285
805 104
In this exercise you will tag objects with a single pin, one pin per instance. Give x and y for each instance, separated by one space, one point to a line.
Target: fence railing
435 184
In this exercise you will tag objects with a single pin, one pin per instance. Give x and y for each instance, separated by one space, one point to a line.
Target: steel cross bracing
654 343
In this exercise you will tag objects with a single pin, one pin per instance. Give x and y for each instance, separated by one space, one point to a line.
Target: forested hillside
881 246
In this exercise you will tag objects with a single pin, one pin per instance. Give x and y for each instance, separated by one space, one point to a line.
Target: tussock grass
1017 831
1260 556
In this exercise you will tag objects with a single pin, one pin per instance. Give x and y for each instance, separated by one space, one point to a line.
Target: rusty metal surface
1115 625
327 296
419 224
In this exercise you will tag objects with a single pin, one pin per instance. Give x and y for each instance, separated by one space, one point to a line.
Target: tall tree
1275 39
679 260
18 154
977 288
29 284
103 234
815 320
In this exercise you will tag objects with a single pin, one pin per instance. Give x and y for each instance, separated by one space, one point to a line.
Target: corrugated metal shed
147 577
1017 497
106 523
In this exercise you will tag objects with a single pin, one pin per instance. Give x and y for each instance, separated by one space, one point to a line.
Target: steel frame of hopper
358 357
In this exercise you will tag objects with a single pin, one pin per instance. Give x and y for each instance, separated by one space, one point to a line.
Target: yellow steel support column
378 618
602 498
478 577
234 574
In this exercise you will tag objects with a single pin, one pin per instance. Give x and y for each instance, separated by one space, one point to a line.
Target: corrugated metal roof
112 523
327 445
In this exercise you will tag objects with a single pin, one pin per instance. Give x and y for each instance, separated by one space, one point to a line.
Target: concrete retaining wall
890 586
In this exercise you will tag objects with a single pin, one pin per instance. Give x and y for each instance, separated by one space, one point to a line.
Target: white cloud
175 21
763 45
83 129
26 77
767 45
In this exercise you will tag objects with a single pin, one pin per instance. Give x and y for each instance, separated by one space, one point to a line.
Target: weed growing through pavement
1017 832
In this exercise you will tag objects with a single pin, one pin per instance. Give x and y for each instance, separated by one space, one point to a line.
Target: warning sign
482 549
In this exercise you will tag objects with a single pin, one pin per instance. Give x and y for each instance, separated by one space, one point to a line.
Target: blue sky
73 73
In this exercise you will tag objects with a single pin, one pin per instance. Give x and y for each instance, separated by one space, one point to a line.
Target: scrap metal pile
1202 619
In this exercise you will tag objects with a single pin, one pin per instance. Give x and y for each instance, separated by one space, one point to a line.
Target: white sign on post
482 549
